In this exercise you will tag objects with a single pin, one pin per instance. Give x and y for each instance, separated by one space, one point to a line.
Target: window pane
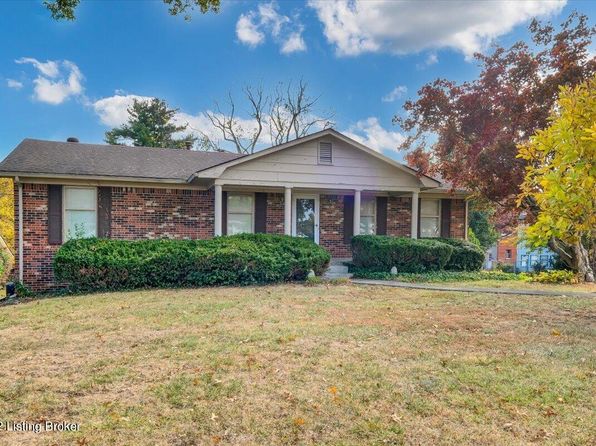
80 224
77 198
239 223
240 203
367 225
367 206
429 226
305 218
429 207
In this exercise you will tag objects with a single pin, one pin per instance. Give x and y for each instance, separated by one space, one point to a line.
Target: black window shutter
260 212
419 206
381 215
224 213
348 218
104 211
445 217
54 214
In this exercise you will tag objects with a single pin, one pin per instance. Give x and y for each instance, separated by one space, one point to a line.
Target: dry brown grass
343 365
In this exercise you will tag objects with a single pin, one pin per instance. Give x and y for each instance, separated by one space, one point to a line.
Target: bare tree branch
286 113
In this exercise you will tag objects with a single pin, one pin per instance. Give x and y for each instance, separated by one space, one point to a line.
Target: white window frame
319 153
65 236
374 214
252 212
437 217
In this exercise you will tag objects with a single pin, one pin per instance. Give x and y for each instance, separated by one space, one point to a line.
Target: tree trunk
582 260
564 251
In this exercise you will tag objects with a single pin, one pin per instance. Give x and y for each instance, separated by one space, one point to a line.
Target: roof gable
217 171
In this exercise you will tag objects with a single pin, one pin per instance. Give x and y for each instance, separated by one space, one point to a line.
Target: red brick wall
458 219
37 253
161 213
136 213
399 216
331 224
275 214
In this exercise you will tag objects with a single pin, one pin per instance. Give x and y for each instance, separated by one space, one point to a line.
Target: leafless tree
288 112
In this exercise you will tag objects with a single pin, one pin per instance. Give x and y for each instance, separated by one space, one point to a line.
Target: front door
305 209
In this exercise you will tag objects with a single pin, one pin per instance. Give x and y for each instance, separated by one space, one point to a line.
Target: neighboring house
529 259
490 258
507 249
324 186
511 250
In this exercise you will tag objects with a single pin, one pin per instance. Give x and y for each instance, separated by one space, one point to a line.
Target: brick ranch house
324 186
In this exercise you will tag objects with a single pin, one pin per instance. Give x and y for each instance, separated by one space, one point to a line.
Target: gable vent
325 153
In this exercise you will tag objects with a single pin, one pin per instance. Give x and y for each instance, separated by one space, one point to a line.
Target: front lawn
290 364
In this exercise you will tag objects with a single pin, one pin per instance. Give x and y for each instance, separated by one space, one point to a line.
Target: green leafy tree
65 9
151 124
481 225
561 179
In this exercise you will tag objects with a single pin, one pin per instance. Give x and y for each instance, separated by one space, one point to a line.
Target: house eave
40 175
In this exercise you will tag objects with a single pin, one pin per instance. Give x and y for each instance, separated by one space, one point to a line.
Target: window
507 253
368 215
240 213
80 212
325 153
430 218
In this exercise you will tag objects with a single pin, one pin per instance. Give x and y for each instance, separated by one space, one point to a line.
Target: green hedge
466 256
381 253
103 264
437 276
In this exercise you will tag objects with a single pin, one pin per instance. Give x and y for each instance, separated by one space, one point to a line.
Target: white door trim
314 197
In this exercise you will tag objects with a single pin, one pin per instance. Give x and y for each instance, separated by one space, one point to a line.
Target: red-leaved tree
468 132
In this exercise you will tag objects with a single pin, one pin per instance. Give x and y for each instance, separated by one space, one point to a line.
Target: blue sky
60 79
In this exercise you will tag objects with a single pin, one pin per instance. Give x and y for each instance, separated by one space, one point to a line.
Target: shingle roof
68 158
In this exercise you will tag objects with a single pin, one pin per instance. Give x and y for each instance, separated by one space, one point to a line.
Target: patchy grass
290 364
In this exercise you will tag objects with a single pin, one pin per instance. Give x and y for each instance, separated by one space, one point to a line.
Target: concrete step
336 271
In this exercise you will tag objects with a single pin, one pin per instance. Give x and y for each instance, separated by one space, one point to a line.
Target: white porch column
218 210
414 215
356 212
288 211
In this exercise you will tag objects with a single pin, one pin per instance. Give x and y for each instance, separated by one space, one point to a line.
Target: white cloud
49 68
11 83
395 94
252 29
113 110
359 26
370 133
248 31
293 43
57 80
431 59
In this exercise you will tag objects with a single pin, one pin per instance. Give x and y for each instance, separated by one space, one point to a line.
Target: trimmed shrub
104 264
466 256
381 253
439 276
552 276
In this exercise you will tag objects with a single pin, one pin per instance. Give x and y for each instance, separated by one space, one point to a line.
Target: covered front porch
329 217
